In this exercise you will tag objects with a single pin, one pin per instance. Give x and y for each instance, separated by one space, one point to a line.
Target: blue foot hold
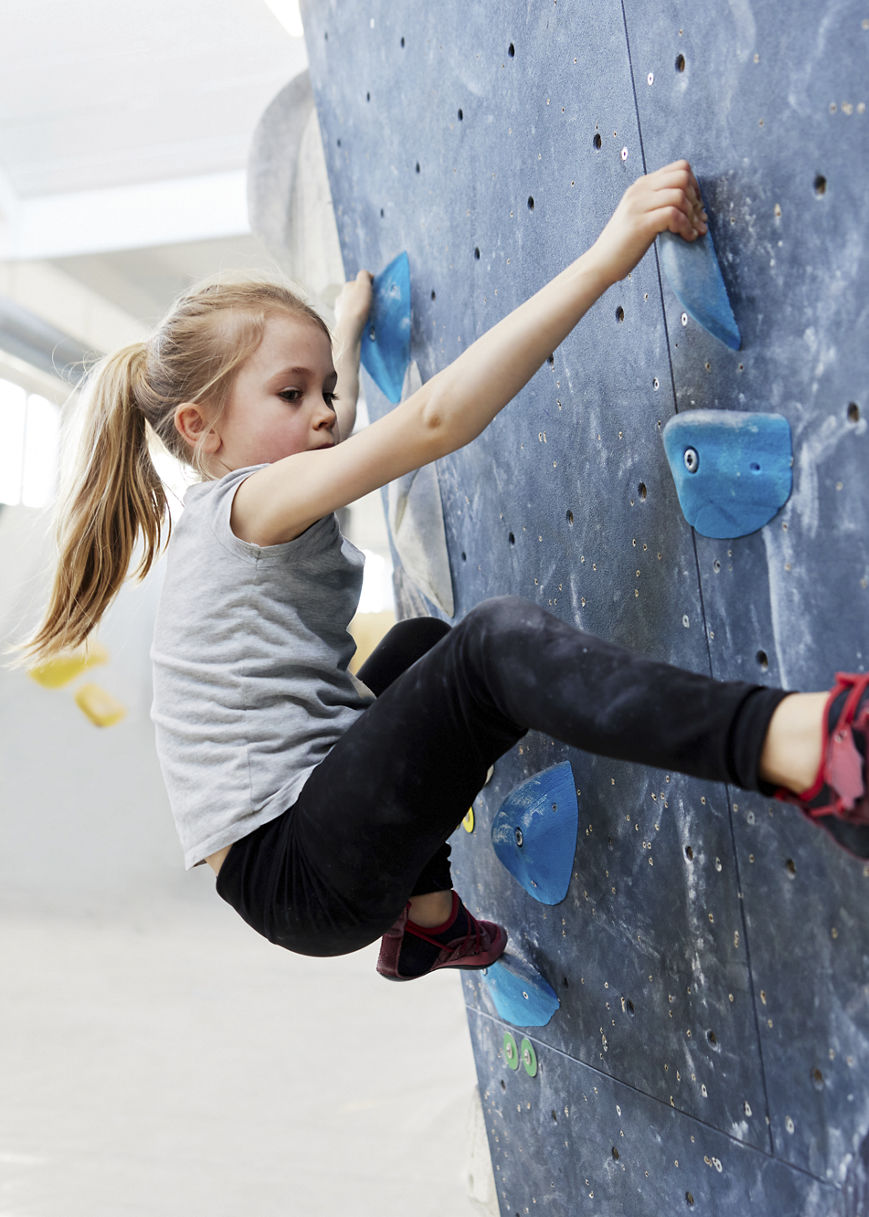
733 470
386 337
520 994
534 833
693 272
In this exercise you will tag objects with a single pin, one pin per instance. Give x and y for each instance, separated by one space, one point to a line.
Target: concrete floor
172 1064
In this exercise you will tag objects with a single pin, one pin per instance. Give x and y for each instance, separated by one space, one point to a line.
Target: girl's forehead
286 337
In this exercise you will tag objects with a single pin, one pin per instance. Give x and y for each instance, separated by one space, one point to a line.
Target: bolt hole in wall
763 660
853 412
620 314
680 63
820 185
597 141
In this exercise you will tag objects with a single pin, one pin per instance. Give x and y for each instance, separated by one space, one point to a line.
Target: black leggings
332 873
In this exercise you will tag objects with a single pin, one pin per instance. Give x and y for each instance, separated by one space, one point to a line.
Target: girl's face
281 401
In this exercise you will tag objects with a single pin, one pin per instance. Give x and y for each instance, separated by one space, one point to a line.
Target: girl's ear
194 428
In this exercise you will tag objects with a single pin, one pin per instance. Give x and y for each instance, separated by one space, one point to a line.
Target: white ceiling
124 133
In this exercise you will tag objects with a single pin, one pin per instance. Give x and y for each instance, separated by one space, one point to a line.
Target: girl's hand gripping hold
353 306
351 313
665 201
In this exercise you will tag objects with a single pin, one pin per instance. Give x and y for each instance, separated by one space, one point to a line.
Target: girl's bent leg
399 782
402 646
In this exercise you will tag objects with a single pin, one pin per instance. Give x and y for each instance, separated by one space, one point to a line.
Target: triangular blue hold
386 337
733 470
534 833
695 276
519 993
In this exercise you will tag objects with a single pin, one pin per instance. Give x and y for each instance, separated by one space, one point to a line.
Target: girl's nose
325 418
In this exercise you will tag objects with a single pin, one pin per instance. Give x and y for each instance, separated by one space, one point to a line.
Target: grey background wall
710 958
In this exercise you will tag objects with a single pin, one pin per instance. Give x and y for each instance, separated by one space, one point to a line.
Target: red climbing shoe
838 801
408 951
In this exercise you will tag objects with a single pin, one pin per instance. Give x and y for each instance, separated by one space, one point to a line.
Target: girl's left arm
351 311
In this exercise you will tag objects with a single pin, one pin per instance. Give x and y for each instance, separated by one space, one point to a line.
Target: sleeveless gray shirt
250 655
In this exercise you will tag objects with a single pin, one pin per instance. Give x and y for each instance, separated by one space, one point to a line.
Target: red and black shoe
838 800
408 951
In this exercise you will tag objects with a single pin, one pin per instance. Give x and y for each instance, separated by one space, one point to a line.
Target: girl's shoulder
208 507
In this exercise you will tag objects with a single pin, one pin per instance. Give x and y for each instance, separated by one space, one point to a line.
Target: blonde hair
114 492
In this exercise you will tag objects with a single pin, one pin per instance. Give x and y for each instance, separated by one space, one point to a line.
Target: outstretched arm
469 393
459 402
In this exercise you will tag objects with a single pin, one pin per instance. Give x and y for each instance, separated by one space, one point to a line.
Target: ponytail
114 494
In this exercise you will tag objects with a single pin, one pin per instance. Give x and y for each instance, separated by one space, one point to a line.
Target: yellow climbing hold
101 708
60 670
468 822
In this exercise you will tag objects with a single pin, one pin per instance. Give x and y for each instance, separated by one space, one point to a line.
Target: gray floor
174 1065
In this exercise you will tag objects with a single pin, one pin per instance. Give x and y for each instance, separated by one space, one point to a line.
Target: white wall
84 820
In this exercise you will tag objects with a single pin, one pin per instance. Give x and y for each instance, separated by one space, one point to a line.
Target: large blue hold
520 994
733 470
386 337
534 833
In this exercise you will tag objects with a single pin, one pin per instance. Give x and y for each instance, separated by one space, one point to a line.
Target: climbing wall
710 1048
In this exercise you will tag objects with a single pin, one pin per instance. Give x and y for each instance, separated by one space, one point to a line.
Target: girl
324 813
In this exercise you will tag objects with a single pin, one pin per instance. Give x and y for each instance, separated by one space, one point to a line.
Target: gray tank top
250 655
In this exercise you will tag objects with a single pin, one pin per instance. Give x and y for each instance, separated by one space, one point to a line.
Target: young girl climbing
323 810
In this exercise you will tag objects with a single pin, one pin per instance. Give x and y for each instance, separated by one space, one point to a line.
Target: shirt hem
239 829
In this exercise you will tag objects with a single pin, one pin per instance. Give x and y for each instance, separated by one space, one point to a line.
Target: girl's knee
505 616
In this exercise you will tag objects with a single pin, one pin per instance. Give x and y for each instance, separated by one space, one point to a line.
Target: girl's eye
330 398
289 394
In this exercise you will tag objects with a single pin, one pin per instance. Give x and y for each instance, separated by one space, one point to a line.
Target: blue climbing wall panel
711 1045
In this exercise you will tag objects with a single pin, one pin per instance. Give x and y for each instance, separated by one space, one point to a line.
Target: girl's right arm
458 403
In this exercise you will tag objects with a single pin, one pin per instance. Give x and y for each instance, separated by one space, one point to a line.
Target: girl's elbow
436 425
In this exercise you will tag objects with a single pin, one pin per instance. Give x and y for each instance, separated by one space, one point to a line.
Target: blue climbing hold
534 833
386 337
733 470
693 272
520 994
